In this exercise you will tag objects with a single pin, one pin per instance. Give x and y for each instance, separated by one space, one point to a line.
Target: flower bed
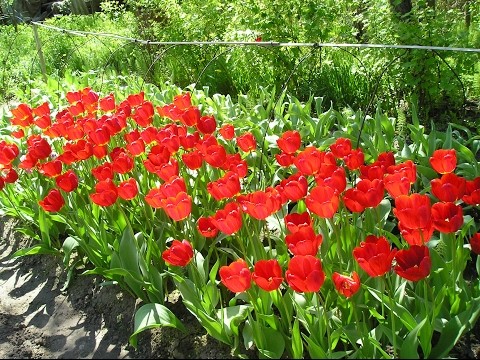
297 235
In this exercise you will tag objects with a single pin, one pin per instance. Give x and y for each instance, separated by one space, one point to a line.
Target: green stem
392 313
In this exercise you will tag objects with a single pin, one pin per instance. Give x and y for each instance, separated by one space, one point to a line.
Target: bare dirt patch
39 320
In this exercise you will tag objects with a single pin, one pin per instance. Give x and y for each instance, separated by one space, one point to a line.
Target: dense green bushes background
440 84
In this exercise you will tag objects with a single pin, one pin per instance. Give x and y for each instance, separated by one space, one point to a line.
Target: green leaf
297 343
274 344
315 350
409 346
33 250
233 314
455 328
68 246
151 316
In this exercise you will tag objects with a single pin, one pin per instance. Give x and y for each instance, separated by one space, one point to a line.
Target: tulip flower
236 276
346 285
304 241
53 202
413 263
180 253
475 243
375 255
444 161
447 217
289 142
449 188
67 181
305 274
267 274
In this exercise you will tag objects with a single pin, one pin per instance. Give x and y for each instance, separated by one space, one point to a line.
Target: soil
88 320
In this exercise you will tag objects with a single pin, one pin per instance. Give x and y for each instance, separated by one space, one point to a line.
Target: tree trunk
401 9
468 14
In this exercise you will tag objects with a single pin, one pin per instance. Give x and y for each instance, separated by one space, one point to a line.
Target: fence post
43 68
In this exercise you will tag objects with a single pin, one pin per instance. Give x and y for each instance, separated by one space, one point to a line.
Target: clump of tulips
282 246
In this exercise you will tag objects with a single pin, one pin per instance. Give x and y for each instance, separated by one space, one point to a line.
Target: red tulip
310 160
38 147
346 285
366 194
296 221
227 131
68 181
259 204
472 192
107 103
53 202
99 136
289 142
22 116
226 187
136 147
247 142
190 116
475 243
418 236
193 160
374 255
128 189
234 162
178 207
323 201
11 176
51 168
304 241
105 193
407 168
341 147
236 276
413 211
122 162
413 263
333 176
305 274
183 101
180 253
207 124
229 219
378 168
444 161
143 114
284 159
8 152
103 172
215 155
447 217
397 184
267 274
354 159
449 188
168 170
206 227
294 187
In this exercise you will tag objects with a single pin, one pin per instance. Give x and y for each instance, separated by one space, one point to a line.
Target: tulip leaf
151 316
235 314
33 250
410 343
274 345
455 328
297 343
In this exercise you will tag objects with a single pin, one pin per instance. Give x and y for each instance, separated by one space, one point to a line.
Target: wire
260 43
